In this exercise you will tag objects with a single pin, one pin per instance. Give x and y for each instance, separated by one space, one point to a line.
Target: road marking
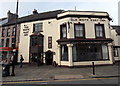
46 82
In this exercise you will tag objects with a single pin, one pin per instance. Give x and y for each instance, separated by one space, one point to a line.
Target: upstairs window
2 42
13 31
38 27
99 30
3 32
79 30
7 42
63 31
8 32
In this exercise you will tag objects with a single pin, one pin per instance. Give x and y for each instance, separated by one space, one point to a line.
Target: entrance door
49 58
36 48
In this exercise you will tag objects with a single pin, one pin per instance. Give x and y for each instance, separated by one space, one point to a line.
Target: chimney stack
35 11
11 16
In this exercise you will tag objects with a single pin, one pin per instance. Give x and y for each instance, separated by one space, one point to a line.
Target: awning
116 46
86 40
7 48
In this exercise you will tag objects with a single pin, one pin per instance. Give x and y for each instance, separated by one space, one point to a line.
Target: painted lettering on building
86 19
26 30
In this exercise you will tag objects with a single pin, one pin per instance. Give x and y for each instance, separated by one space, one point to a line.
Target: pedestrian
13 65
21 61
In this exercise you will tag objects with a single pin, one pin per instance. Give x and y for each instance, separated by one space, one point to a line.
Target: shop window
79 30
105 51
99 30
115 52
63 31
38 27
89 52
49 42
64 53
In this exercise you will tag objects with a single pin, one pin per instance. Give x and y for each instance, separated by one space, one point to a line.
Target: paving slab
47 72
68 77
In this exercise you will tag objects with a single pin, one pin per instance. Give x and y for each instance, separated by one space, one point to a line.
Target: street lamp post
14 60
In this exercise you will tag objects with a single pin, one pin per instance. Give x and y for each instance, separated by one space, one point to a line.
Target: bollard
93 68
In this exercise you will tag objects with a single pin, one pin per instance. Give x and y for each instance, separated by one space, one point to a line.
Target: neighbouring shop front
5 52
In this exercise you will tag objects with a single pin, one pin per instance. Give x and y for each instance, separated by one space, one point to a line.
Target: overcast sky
26 6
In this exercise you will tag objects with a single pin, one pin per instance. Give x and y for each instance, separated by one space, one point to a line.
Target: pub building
66 38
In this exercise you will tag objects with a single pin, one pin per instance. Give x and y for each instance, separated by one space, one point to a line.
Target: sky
27 6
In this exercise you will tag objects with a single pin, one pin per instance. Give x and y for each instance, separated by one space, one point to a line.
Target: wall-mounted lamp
49 22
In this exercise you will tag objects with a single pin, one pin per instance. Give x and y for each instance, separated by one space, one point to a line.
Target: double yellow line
45 82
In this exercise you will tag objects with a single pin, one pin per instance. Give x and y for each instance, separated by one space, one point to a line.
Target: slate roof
117 28
35 17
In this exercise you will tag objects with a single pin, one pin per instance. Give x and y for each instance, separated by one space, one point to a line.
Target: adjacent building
66 38
7 37
115 31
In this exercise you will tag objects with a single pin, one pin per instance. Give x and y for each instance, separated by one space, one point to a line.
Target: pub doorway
49 57
36 48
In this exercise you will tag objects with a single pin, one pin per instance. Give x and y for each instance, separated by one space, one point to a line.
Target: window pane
63 31
89 52
38 27
74 54
99 30
2 42
7 42
116 52
105 51
79 30
64 53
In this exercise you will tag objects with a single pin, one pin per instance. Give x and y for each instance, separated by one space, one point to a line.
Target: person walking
21 61
13 65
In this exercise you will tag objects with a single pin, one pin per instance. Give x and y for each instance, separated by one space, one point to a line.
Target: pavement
31 72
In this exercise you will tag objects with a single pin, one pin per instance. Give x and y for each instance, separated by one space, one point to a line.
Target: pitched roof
117 28
35 17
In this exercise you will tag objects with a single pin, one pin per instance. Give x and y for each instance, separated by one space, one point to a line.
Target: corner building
67 38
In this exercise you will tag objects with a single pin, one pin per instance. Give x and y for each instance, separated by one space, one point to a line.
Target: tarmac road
113 81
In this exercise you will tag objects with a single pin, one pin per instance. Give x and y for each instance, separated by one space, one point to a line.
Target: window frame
7 42
8 32
13 31
114 53
3 32
61 31
35 28
83 30
2 42
103 31
64 53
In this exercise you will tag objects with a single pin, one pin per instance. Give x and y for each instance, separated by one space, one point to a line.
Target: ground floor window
5 54
90 52
64 53
115 52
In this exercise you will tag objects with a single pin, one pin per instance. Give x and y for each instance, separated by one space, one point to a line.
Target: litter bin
5 70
